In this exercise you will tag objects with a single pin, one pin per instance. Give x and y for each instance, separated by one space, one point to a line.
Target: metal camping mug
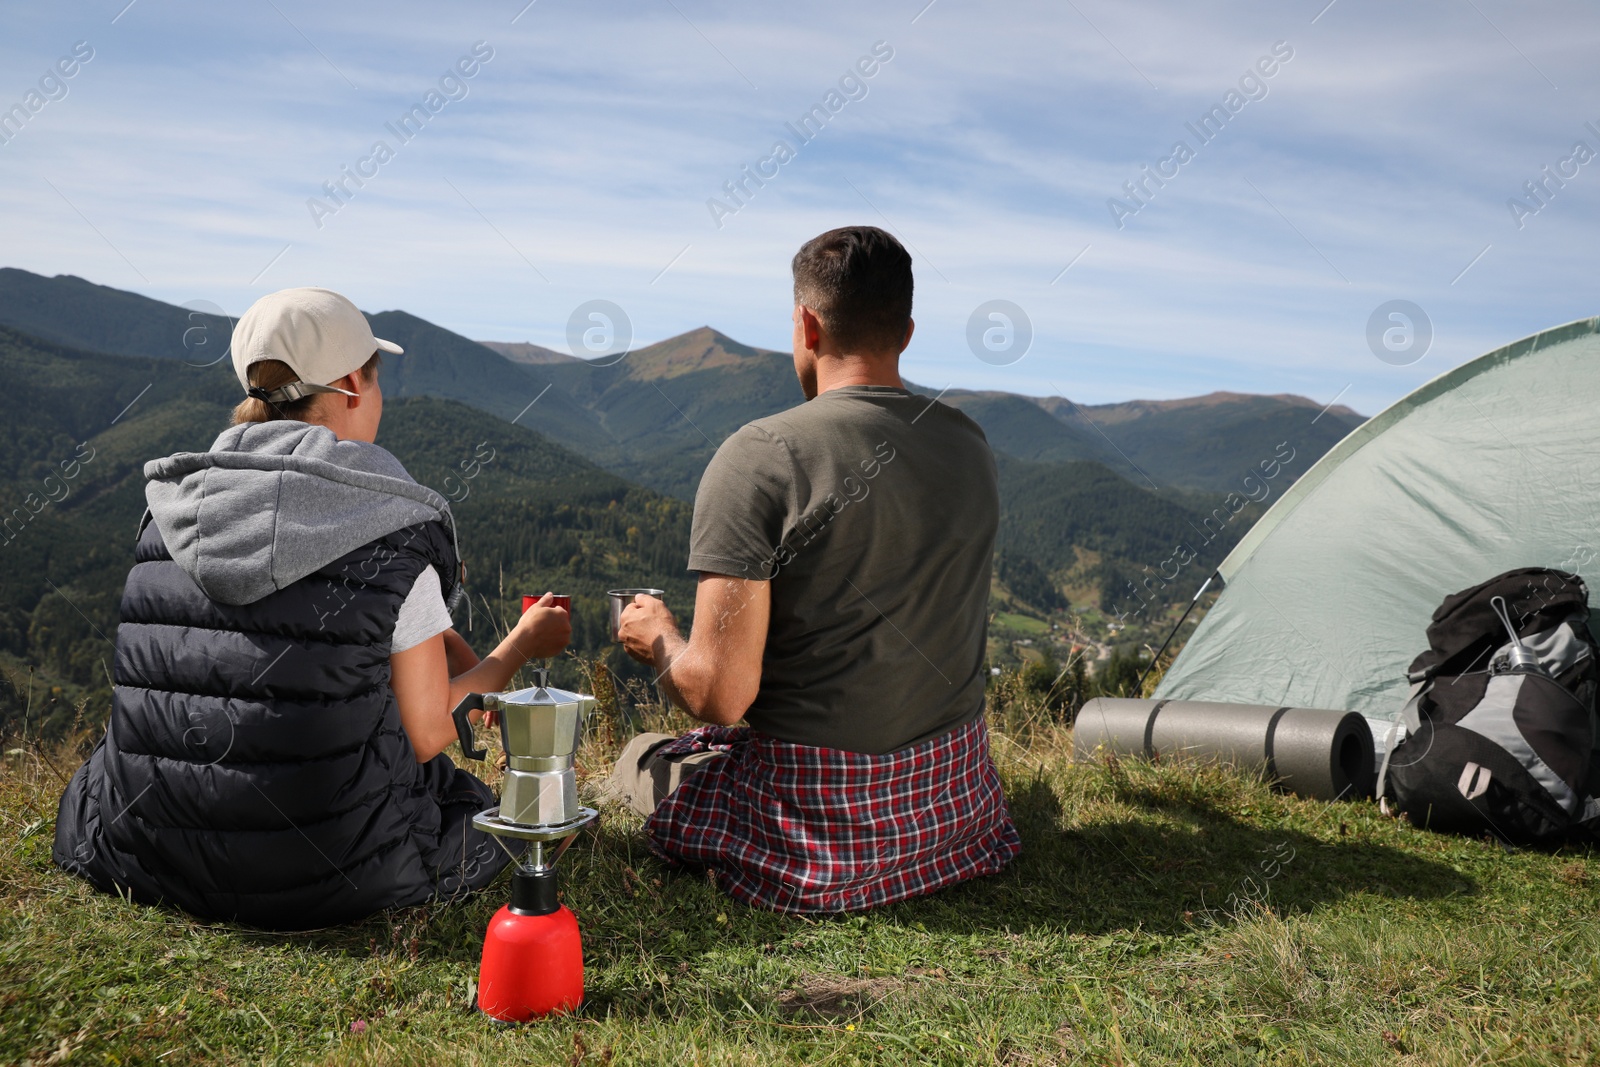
621 598
557 600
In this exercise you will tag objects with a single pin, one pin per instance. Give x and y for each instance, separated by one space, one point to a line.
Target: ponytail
270 374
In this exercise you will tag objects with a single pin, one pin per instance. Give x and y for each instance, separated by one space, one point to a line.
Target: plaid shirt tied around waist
800 829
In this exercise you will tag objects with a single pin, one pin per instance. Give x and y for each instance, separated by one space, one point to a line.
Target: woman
286 664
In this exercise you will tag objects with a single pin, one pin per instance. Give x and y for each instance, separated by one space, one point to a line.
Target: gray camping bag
1499 731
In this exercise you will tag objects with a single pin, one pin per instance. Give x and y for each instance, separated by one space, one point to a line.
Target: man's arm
714 675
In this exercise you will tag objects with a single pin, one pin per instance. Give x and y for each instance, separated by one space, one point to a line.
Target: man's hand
643 630
543 630
716 674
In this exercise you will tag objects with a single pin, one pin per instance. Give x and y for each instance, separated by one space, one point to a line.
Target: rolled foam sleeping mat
1312 752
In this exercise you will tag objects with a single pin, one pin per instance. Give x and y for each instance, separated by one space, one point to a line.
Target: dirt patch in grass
835 997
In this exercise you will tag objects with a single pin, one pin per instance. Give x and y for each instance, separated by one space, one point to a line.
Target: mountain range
656 415
594 465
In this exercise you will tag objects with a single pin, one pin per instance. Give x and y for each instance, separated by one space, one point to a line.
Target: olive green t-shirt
872 511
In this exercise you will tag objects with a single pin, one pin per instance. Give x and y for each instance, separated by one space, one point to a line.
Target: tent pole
1195 600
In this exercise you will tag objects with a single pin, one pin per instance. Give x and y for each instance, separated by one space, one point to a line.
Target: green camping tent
1490 466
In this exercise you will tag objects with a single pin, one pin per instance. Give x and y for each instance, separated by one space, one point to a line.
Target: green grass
1023 623
1169 914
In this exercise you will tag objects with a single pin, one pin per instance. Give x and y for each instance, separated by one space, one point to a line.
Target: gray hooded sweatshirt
271 502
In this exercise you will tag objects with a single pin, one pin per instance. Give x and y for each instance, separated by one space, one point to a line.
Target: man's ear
810 328
911 328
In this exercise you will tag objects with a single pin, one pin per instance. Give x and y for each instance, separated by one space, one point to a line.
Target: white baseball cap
321 335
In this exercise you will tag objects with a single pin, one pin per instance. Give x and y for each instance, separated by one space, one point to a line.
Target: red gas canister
532 955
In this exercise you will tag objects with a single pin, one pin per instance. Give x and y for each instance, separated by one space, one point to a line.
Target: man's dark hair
858 281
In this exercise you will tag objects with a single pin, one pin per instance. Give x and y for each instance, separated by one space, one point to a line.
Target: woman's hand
543 631
427 685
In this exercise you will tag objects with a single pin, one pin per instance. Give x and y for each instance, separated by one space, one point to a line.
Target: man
843 548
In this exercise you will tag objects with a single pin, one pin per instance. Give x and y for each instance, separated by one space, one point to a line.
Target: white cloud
991 142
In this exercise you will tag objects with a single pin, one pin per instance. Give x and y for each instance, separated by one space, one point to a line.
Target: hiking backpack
1499 731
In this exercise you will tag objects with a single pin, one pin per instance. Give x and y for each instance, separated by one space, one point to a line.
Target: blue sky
1374 164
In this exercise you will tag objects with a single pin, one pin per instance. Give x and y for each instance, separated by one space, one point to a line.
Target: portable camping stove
532 953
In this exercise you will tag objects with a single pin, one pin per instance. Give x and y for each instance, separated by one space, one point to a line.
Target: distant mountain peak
702 348
699 349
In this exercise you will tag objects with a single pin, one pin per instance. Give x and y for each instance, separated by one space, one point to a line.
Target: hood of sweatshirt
271 502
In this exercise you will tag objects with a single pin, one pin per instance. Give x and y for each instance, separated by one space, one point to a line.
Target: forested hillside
78 428
533 517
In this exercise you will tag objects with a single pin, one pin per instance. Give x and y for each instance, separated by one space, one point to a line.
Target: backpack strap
1409 712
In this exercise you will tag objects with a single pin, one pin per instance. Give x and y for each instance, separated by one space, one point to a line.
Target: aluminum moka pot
539 730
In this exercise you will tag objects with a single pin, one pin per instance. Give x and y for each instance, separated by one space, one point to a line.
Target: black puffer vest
255 768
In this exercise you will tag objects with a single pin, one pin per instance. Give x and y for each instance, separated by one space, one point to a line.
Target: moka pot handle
469 703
